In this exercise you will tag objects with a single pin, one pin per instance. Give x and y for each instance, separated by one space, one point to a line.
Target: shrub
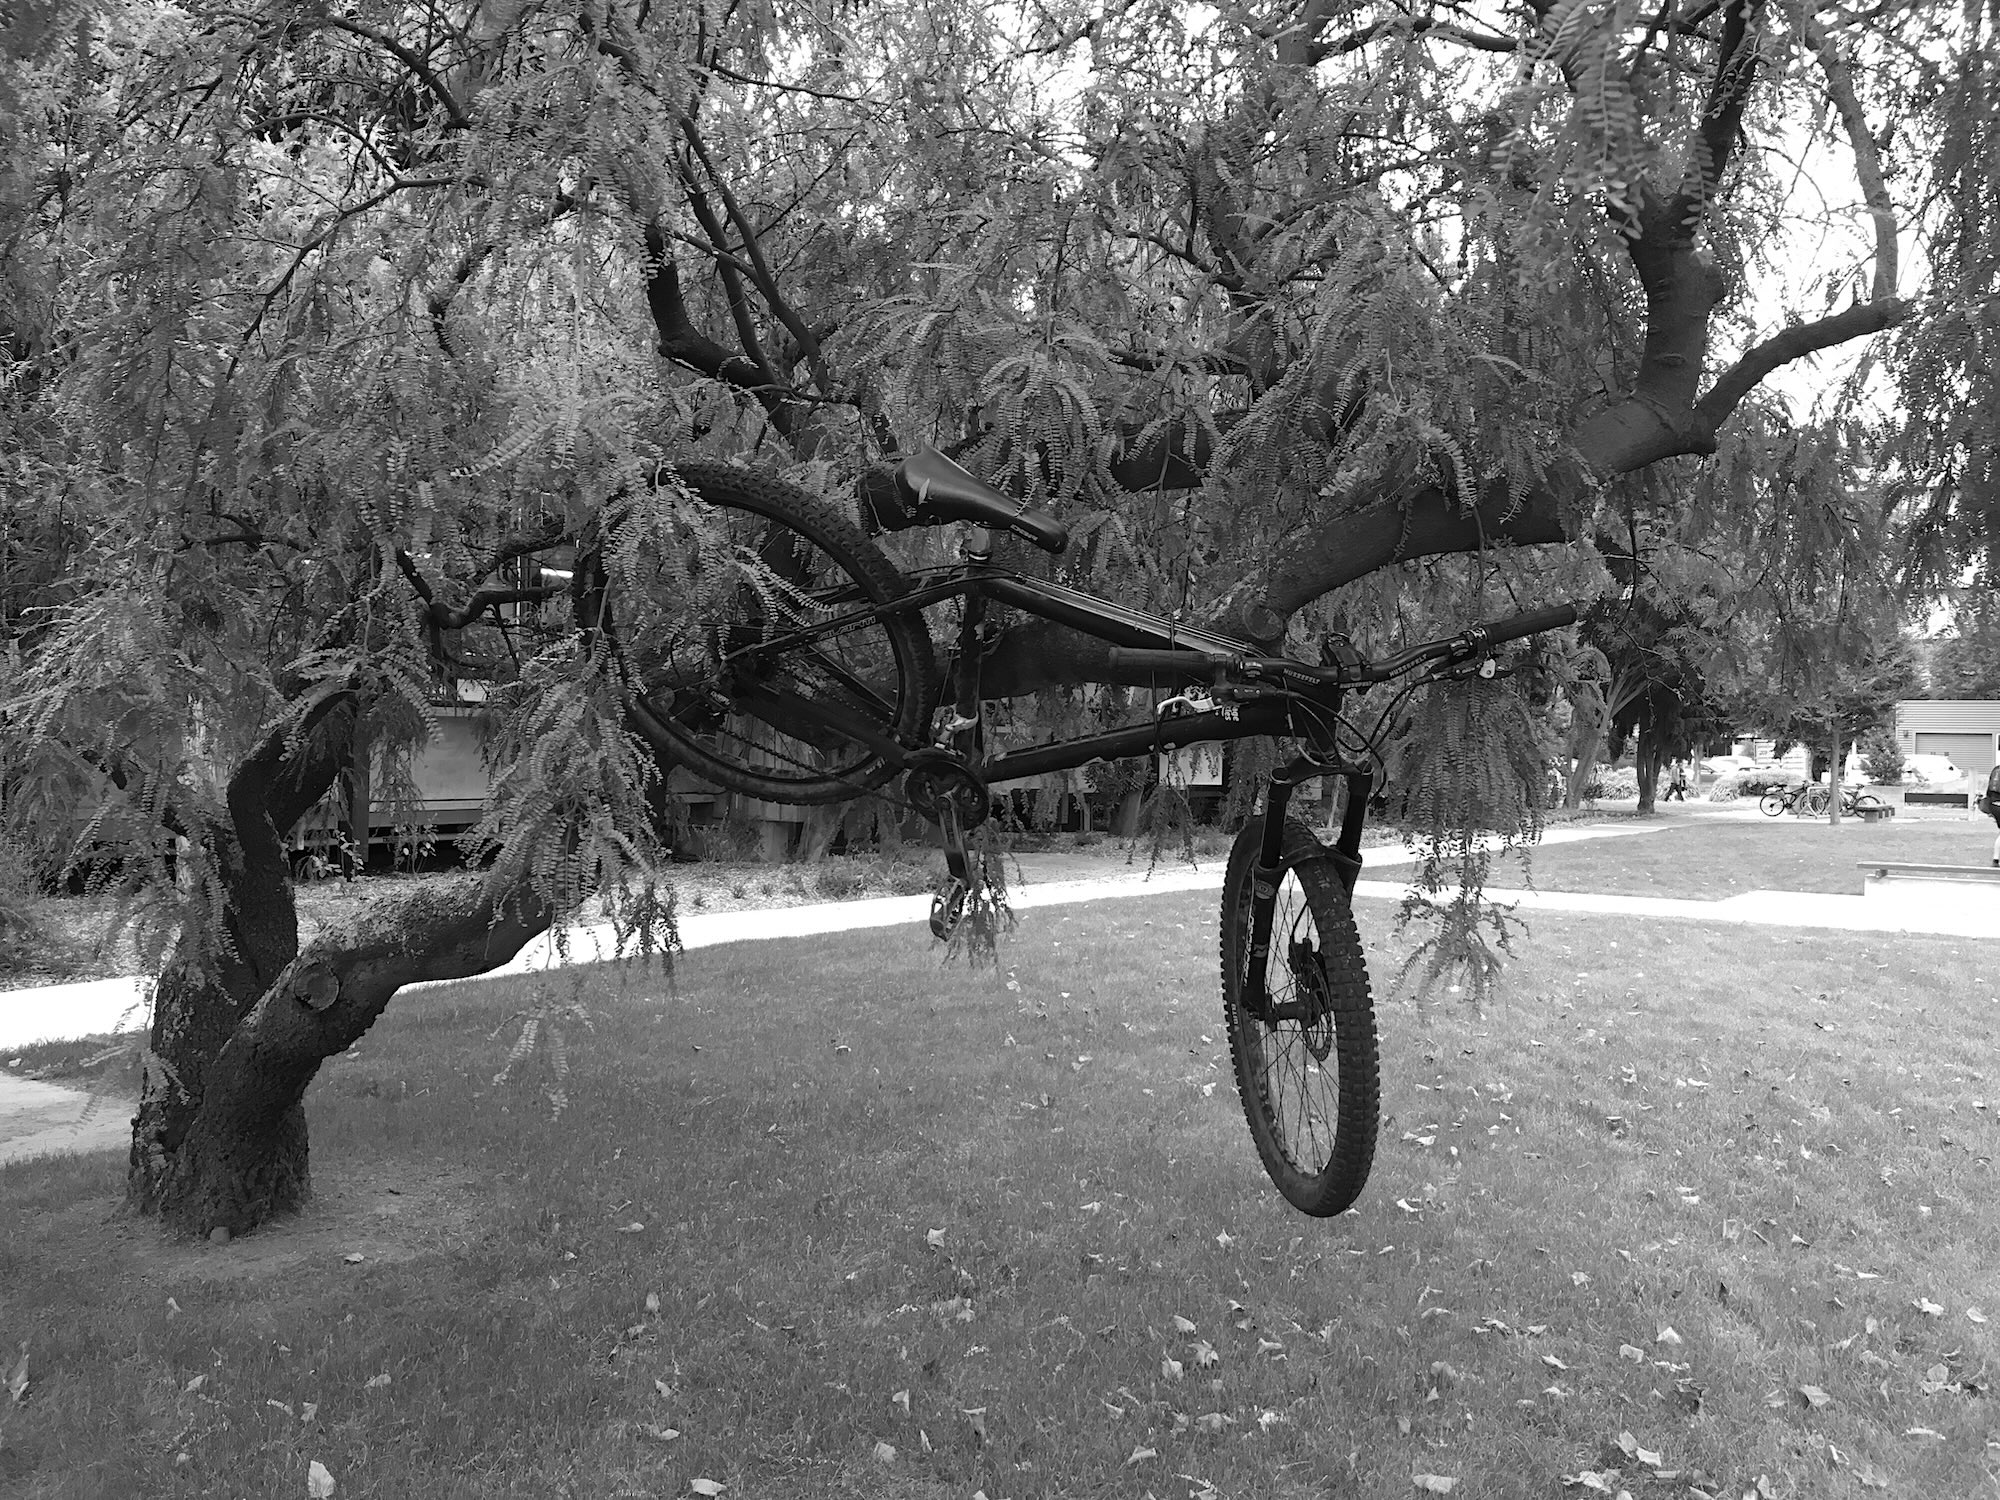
1608 784
838 880
1756 783
1882 758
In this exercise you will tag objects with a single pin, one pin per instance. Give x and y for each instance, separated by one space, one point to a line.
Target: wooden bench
1876 869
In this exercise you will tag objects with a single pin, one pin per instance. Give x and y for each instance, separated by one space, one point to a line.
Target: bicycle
1812 800
803 673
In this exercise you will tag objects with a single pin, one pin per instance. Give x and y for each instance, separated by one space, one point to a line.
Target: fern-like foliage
1469 772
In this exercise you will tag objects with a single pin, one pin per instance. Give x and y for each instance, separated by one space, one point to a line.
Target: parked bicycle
1811 800
804 674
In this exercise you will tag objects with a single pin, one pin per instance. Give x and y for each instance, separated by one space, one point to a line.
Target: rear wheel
765 666
1307 1068
1771 804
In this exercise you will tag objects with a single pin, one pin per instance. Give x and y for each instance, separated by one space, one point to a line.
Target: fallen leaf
1435 1484
194 1385
308 1411
1629 1446
1204 1354
1591 1479
1815 1397
376 1382
1974 1315
354 1257
976 1415
1553 1363
935 1239
706 1487
319 1483
1182 1325
652 1302
1171 1368
657 1433
635 1227
1928 1308
885 1453
1667 1336
901 1399
1924 1432
1140 1455
1627 1352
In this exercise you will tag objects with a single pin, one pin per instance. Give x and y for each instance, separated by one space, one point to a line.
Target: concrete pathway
40 1119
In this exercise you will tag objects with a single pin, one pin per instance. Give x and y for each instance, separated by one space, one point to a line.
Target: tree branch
1795 342
1728 96
413 61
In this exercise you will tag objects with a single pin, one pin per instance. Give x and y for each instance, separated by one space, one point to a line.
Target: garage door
1972 753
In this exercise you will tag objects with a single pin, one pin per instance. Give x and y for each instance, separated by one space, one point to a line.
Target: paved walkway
35 1121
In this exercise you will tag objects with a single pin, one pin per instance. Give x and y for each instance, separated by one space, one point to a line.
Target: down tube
1141 739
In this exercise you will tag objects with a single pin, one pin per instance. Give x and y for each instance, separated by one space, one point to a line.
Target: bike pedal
948 910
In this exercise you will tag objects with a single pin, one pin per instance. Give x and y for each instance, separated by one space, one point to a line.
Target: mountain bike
800 669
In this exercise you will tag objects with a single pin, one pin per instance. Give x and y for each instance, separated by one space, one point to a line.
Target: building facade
1967 730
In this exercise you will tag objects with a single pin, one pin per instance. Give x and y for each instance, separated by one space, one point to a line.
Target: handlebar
1210 667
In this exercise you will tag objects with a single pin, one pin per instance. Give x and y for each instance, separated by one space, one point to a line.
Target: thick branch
1796 342
686 344
337 988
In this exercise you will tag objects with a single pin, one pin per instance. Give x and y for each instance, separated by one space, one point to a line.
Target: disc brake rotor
1309 980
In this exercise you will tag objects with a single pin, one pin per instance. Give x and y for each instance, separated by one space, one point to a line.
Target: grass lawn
1702 1207
1712 859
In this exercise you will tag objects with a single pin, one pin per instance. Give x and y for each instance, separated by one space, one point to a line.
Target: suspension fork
1269 870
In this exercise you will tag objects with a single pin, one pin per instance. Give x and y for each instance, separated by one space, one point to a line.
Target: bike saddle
933 490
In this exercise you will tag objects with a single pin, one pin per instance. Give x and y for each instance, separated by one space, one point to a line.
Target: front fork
1269 871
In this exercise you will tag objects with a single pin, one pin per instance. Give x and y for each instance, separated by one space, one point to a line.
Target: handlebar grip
1181 666
1534 622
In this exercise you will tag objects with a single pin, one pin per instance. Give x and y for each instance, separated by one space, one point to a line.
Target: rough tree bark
243 1157
219 1140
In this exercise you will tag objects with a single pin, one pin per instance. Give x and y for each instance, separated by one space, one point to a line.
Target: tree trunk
1646 760
1836 766
242 1155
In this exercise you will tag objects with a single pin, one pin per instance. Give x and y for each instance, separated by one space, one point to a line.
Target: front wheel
1307 1066
1771 804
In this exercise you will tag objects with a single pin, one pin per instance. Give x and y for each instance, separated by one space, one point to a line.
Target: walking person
1677 785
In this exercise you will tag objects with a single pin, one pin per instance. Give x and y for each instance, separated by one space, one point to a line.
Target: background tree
1662 654
320 319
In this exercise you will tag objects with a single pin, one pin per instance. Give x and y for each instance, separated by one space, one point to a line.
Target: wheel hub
1309 982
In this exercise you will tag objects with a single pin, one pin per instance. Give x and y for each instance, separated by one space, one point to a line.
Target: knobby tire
790 558
1310 1086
